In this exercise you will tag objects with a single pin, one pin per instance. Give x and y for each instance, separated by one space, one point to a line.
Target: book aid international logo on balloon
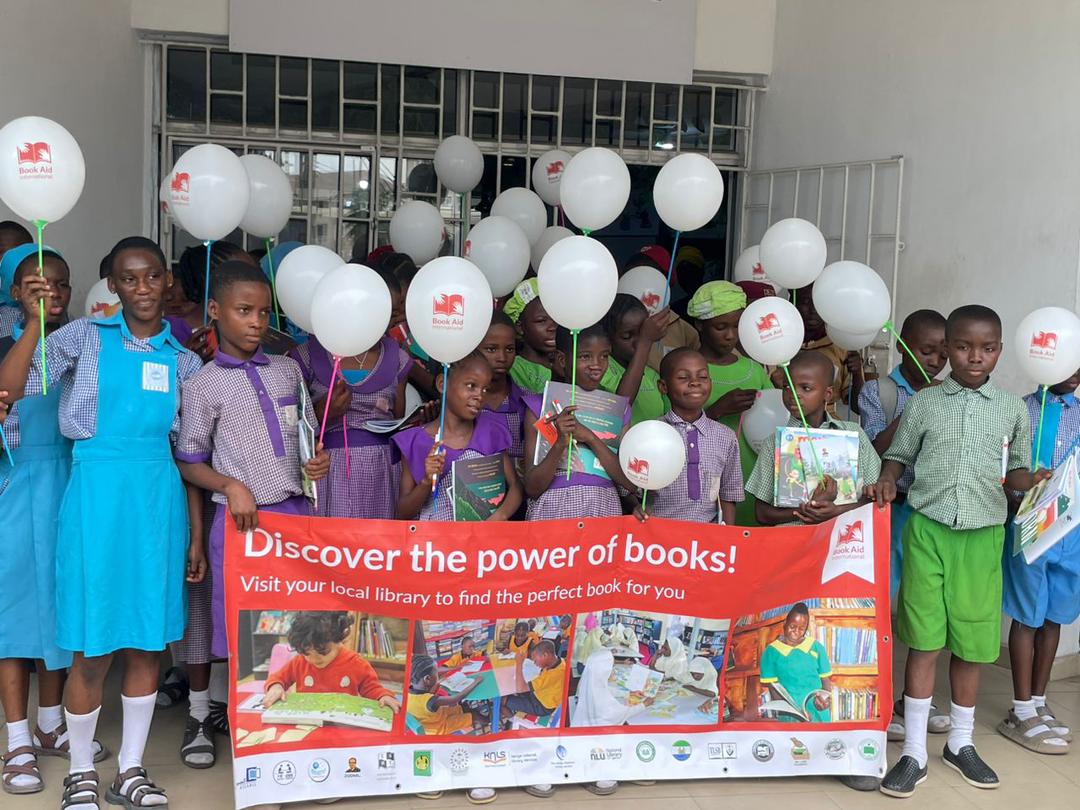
769 328
554 171
448 311
35 160
180 188
1043 345
637 470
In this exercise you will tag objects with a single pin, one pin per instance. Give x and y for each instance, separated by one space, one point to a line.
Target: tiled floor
1028 780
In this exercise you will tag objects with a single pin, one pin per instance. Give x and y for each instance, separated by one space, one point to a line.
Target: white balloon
688 191
100 301
771 331
764 417
208 191
748 268
549 237
1047 345
646 284
42 170
350 309
793 253
578 281
501 250
547 175
448 308
296 277
594 188
459 164
270 197
163 197
852 341
525 208
852 297
652 454
417 230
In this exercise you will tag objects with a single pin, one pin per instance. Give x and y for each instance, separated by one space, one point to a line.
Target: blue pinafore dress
30 495
122 545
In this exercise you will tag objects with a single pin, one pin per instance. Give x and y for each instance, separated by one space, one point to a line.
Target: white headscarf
709 675
675 666
596 706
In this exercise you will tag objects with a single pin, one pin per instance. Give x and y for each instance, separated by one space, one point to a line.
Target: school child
716 308
439 714
30 493
223 449
800 664
12 235
1041 596
470 432
596 705
950 586
711 484
633 334
532 365
543 694
324 664
551 495
811 372
672 661
848 369
680 333
522 639
466 652
121 559
585 644
503 396
363 479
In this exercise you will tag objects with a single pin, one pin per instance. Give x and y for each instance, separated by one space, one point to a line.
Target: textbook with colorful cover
1049 511
479 487
307 447
786 704
322 708
795 471
599 411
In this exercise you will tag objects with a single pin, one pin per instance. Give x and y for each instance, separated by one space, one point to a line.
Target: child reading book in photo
466 652
795 667
522 639
704 679
596 705
437 712
324 664
672 660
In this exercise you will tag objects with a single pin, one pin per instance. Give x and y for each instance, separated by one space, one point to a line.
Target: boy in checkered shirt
964 439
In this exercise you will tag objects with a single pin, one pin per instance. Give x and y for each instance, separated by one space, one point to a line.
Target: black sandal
76 788
175 691
219 717
139 788
194 730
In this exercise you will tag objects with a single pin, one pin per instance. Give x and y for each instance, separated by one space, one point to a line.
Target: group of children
210 423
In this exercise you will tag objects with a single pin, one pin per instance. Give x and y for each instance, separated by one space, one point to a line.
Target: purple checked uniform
712 472
367 487
221 426
490 436
583 496
512 410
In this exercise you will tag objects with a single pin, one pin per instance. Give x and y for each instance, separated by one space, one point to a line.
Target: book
323 708
786 704
1049 511
384 426
599 411
478 487
274 341
795 470
306 433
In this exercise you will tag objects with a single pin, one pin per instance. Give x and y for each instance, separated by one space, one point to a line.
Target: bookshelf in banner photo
440 640
845 627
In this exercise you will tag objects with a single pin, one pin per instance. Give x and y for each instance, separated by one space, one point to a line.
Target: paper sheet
471 667
457 682
266 735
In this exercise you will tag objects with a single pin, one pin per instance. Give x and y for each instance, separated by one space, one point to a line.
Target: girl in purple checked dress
551 495
503 396
470 432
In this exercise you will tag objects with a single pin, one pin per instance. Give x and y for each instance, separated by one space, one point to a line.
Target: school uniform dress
1047 589
490 436
121 551
9 317
712 472
363 480
583 496
533 377
950 586
221 426
512 410
30 494
875 421
799 670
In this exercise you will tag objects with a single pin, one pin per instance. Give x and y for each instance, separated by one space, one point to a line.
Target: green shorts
950 589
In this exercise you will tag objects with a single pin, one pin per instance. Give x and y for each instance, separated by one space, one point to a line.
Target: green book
322 708
479 487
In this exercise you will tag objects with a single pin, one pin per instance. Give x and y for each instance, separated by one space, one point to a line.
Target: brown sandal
45 744
139 788
85 782
29 769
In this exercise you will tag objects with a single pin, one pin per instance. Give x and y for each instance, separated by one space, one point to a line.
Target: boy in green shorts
964 439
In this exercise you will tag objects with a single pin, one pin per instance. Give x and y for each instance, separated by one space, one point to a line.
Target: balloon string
7 450
329 395
806 426
562 216
40 225
671 269
794 297
573 401
273 283
464 226
644 497
889 326
1038 435
345 433
586 232
442 426
206 285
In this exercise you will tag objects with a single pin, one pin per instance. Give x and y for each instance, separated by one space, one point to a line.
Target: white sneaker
481 795
540 791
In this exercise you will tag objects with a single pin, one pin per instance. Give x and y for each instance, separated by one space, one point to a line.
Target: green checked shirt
955 439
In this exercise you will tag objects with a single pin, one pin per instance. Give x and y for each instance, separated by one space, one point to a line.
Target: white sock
1038 700
963 727
81 728
1024 709
18 734
916 716
49 718
138 712
200 704
219 681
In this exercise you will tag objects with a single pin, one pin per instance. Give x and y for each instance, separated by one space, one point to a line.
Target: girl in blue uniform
122 547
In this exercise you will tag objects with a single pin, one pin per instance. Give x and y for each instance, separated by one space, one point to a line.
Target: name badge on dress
155 377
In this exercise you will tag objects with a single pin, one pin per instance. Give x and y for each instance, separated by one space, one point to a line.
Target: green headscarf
715 299
526 291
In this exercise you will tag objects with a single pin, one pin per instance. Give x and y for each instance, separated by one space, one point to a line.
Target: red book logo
452 305
35 154
468 247
638 465
554 171
757 271
852 534
1043 345
180 183
651 300
768 327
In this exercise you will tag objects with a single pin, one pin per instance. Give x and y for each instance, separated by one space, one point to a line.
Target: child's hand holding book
318 467
275 693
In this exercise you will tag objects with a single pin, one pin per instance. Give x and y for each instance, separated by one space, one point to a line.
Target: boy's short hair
103 267
17 230
235 272
969 313
521 626
922 319
812 357
135 243
500 318
317 629
29 264
667 365
399 265
545 646
564 338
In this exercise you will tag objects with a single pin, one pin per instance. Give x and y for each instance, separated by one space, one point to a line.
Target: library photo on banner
813 661
482 676
322 676
635 668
